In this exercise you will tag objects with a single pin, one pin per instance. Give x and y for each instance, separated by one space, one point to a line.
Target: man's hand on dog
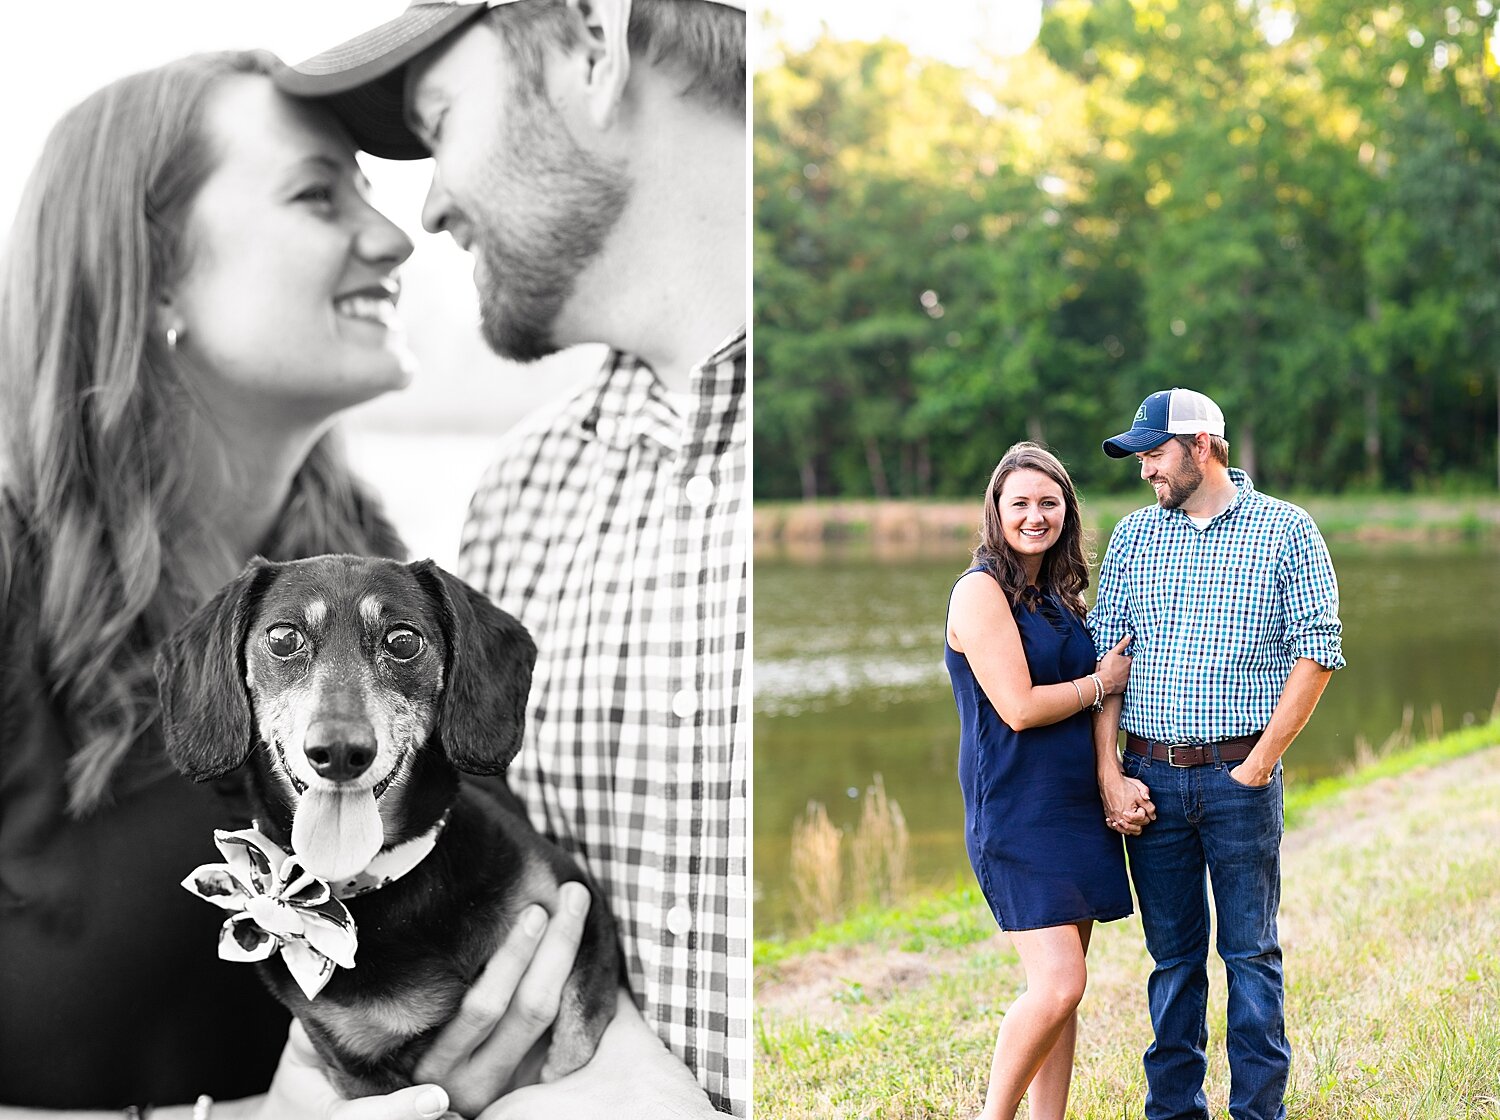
512 1003
632 1076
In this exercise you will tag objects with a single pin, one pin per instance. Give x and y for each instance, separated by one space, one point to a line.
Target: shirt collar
631 406
731 348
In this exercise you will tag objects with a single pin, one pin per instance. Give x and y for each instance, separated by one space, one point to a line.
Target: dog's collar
390 864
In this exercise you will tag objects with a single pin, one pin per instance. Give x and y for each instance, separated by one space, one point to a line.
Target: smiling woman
1024 679
286 307
176 335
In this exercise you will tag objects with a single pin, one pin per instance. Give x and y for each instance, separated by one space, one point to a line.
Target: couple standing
195 287
1215 630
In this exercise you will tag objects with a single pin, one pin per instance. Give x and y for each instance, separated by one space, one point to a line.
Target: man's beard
549 207
1182 483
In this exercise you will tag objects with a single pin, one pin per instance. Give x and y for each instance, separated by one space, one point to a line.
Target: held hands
1127 804
1114 669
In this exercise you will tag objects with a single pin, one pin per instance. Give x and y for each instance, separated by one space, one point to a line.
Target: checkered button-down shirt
1220 614
618 532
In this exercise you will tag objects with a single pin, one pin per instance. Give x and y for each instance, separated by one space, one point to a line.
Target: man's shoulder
1280 511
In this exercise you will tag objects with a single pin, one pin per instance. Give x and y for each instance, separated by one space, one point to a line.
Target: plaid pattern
1220 615
618 532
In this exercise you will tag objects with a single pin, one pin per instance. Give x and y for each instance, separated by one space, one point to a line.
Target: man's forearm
1107 737
1127 801
1299 697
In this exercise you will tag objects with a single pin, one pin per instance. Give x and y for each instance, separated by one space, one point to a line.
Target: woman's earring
172 339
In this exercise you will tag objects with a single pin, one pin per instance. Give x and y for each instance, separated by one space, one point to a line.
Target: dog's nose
340 749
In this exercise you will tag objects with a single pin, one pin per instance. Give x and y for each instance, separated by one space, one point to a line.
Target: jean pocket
1237 784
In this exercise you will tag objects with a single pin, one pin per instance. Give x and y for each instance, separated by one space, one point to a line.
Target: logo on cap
1163 415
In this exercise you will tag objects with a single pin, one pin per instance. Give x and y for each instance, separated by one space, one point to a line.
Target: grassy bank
1391 903
916 524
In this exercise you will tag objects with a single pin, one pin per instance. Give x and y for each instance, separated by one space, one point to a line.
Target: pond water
849 682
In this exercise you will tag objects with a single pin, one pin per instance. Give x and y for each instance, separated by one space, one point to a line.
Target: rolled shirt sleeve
1310 597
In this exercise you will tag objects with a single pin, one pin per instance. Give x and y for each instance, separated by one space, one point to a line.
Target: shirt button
679 921
684 703
699 490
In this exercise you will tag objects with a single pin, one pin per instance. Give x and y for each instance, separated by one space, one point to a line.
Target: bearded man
1233 604
591 155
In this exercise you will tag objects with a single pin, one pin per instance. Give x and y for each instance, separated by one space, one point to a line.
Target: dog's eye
283 640
403 644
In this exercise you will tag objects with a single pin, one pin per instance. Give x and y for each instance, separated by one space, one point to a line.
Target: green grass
1391 905
1302 797
959 917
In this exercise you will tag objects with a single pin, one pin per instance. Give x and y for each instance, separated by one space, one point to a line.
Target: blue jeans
1206 822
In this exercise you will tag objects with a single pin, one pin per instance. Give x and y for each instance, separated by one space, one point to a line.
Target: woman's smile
370 305
290 300
1032 509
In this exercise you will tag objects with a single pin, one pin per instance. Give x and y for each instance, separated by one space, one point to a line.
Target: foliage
1297 212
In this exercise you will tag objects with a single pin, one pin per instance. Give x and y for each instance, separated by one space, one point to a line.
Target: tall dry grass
817 865
880 848
1398 740
878 858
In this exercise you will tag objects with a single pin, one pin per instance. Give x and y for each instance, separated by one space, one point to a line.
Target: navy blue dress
1033 821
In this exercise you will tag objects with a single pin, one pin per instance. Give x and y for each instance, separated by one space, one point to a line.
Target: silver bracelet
1098 692
1081 704
203 1107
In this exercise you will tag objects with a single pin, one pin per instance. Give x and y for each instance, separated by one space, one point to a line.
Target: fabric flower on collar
276 905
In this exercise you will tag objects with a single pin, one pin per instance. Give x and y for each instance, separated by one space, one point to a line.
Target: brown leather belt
1192 754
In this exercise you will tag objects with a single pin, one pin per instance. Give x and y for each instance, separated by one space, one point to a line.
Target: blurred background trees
1293 208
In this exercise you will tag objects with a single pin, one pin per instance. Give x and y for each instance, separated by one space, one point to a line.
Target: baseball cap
363 79
1171 412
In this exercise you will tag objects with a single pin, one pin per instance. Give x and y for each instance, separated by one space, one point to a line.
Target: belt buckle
1172 755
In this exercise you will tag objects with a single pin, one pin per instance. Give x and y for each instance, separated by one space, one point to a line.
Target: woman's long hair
99 426
1065 570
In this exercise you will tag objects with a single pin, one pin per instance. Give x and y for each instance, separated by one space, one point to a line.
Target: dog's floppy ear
488 675
200 674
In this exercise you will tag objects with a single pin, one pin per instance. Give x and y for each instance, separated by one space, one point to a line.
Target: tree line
1297 212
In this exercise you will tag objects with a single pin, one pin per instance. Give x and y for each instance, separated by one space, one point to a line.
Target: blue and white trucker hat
363 79
1172 412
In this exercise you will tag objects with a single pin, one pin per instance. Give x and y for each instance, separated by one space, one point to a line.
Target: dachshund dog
352 692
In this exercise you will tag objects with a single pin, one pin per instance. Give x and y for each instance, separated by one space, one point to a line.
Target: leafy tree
1294 210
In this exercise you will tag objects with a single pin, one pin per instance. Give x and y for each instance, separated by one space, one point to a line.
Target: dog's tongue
336 832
